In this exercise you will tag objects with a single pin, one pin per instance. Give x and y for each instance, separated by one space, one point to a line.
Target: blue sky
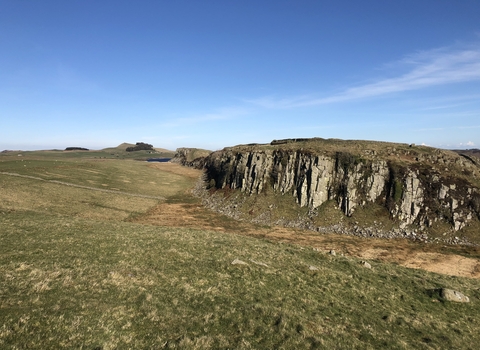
211 74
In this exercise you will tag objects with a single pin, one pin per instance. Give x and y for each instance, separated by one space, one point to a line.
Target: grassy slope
195 153
107 153
75 274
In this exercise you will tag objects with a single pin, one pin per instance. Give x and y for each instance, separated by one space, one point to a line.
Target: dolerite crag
417 185
190 157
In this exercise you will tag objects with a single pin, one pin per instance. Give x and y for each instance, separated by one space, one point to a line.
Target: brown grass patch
429 257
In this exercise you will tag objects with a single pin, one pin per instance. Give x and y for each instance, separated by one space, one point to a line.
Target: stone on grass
453 295
238 262
258 263
332 252
365 264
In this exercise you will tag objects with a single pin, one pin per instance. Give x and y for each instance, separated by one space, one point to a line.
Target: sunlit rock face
418 189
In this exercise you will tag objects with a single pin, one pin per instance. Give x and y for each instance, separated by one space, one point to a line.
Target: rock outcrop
416 185
453 295
191 157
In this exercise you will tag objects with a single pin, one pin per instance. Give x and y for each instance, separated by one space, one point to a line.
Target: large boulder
453 295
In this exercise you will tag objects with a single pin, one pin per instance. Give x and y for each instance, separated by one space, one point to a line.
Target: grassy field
80 269
118 152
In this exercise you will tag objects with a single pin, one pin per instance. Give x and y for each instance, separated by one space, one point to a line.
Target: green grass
107 153
126 176
75 274
79 283
194 153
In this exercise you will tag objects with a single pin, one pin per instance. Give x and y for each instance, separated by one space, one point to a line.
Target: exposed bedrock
420 192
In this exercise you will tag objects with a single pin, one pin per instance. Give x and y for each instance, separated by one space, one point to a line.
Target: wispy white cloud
426 69
444 101
448 106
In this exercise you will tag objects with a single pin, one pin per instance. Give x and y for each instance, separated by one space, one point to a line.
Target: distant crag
420 189
191 157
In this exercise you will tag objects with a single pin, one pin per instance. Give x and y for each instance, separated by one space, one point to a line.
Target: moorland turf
78 270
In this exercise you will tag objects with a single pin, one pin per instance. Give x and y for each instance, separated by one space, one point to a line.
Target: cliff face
191 157
416 186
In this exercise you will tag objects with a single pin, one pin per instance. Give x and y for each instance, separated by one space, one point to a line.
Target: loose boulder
238 262
365 264
453 295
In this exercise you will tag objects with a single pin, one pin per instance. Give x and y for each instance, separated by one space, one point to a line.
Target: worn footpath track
82 186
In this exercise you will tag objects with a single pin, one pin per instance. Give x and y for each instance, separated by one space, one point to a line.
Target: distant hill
125 145
163 150
120 147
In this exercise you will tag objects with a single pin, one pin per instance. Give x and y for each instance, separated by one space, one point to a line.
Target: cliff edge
191 157
364 187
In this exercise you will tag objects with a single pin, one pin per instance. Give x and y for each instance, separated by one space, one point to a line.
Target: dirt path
450 260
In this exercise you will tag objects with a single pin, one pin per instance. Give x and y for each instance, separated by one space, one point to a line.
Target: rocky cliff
191 157
417 186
